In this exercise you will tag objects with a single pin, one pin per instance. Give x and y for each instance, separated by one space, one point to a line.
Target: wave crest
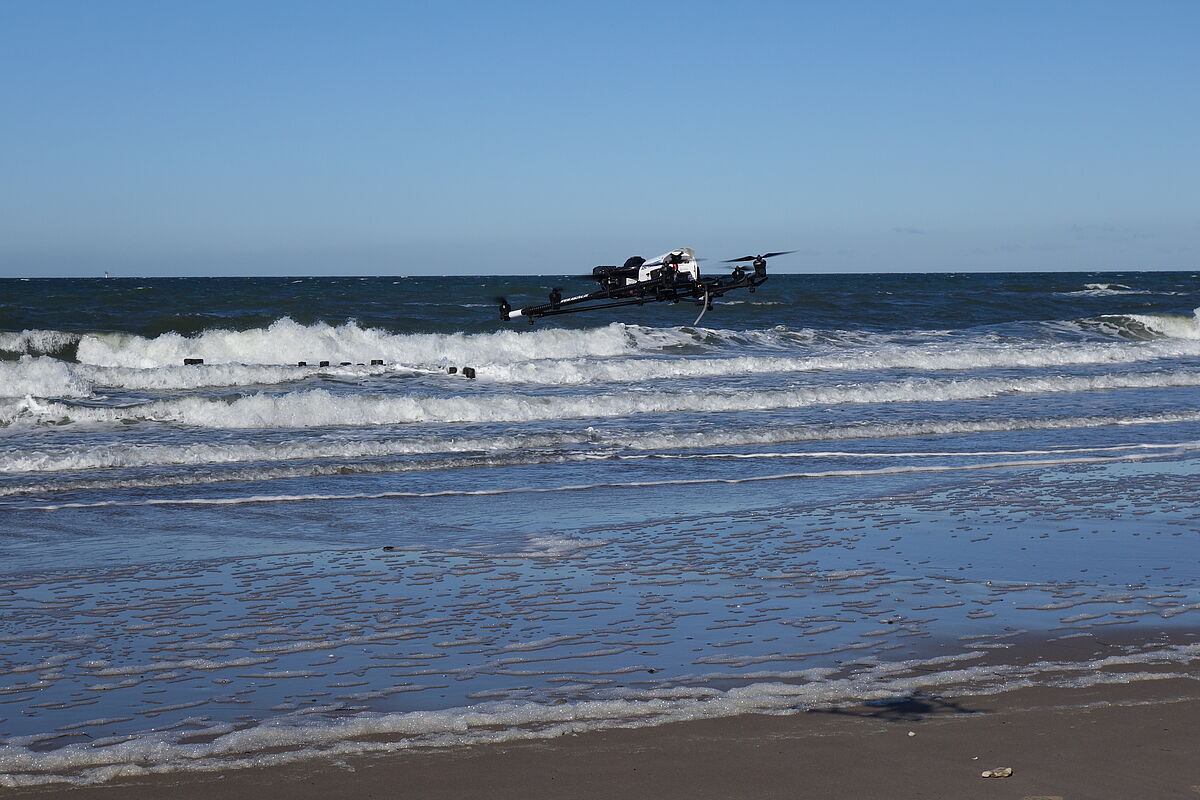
287 342
321 408
37 342
1150 326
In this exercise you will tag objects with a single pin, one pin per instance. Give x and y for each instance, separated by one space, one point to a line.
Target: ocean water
836 489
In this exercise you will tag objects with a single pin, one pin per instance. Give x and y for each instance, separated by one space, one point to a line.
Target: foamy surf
1175 326
46 377
925 358
906 469
132 456
36 342
360 466
290 738
322 408
286 341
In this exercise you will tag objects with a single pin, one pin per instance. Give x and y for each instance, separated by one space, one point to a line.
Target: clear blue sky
218 137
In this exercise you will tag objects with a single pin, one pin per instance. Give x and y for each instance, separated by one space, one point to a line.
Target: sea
837 489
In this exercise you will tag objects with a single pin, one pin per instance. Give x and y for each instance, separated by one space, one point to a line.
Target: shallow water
845 486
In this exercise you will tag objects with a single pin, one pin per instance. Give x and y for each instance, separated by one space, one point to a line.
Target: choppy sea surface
838 488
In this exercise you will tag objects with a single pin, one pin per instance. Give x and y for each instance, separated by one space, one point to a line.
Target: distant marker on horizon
106 274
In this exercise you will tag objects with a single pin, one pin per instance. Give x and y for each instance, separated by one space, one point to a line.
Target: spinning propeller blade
657 263
753 258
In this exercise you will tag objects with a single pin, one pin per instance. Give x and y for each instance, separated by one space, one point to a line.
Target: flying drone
669 278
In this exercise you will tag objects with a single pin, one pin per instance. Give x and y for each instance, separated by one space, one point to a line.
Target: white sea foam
47 377
194 477
913 454
36 341
30 458
286 342
121 456
810 433
1175 326
649 484
587 371
321 408
296 737
42 377
545 355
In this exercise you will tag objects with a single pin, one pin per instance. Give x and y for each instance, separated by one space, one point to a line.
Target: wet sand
1138 740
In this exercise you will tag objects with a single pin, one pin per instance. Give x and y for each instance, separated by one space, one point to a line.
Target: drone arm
562 306
537 312
645 292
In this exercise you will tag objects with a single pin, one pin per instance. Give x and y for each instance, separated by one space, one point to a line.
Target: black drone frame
664 286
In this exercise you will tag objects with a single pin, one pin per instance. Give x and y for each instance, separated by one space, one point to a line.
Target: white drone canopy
683 259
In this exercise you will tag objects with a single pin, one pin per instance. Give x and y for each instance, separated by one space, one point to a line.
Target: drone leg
707 306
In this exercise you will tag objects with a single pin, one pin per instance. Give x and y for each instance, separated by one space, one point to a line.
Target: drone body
671 277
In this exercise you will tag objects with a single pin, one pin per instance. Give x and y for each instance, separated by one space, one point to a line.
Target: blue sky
234 138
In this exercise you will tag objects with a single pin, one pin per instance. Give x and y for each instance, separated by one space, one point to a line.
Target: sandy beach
1103 743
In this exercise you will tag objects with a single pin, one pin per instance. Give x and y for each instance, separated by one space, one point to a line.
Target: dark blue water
883 302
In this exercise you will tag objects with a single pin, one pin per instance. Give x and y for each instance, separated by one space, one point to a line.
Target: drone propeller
764 256
659 263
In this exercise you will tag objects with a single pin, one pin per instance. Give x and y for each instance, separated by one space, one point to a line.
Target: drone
669 278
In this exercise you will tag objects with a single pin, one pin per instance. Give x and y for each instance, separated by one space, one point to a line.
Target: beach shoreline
1112 741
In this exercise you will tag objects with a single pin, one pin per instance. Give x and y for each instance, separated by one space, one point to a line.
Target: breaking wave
321 408
619 355
905 469
42 377
581 371
48 377
287 342
126 456
1150 326
1174 326
964 462
34 342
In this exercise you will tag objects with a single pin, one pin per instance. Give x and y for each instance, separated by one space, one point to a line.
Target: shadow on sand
908 708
